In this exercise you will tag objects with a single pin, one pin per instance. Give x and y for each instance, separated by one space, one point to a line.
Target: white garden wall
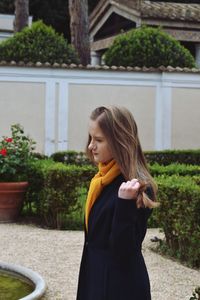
53 104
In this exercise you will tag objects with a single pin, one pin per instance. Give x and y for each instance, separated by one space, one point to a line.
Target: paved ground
56 255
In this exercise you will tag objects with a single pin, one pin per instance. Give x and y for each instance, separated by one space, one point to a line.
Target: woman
118 205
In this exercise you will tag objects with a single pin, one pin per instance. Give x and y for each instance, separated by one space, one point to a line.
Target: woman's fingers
129 189
134 180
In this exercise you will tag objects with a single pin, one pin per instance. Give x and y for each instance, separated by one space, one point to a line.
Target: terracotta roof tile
172 11
98 67
159 10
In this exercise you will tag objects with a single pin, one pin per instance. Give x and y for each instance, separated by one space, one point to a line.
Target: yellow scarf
105 176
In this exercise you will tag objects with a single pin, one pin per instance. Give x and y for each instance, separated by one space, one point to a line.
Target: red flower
9 140
3 152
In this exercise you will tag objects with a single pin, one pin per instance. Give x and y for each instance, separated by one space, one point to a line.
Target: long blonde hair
120 130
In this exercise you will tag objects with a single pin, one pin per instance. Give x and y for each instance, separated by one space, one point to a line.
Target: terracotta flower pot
11 200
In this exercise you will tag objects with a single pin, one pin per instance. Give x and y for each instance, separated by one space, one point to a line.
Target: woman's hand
129 190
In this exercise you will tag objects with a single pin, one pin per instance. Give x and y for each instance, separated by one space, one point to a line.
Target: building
6 25
112 17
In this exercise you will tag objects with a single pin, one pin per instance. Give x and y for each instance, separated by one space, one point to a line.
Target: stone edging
35 278
56 65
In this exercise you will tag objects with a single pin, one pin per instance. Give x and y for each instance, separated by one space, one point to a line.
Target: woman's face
99 145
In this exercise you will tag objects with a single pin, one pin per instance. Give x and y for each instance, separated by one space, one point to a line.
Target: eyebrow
97 136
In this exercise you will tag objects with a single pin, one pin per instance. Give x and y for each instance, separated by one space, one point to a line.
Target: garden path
56 255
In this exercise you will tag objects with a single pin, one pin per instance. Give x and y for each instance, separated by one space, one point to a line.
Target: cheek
108 152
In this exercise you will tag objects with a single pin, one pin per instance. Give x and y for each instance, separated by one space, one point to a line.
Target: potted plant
16 155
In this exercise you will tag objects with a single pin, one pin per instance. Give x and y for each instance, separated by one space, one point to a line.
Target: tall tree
52 12
21 14
6 6
79 27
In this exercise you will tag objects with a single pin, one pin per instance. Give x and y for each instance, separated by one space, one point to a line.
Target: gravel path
56 255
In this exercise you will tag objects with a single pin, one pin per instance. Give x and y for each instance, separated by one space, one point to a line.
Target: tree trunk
79 27
21 14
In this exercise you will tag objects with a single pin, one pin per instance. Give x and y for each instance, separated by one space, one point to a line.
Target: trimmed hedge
178 169
165 157
170 170
179 216
55 190
71 157
150 47
196 294
57 194
38 43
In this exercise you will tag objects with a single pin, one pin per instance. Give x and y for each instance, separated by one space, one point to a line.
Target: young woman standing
118 205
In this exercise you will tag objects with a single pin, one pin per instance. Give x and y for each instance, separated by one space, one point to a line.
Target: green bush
71 158
196 294
166 157
153 220
150 47
36 178
55 190
57 194
169 170
39 43
196 179
172 169
179 216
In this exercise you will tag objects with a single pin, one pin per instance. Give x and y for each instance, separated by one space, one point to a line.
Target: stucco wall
185 118
84 98
54 105
24 103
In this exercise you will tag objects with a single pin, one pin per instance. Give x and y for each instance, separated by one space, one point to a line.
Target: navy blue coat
112 266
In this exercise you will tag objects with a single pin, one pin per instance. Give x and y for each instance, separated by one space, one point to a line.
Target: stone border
97 67
35 278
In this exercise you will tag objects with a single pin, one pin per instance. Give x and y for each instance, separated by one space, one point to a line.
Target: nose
91 145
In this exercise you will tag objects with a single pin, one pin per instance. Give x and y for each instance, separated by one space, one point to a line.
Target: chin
96 160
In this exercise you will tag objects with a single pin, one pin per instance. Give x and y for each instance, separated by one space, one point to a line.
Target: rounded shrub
38 43
150 47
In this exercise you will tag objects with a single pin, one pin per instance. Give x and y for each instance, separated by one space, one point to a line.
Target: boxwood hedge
150 47
38 43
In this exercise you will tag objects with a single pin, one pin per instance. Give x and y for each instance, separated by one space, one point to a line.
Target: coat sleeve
128 228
